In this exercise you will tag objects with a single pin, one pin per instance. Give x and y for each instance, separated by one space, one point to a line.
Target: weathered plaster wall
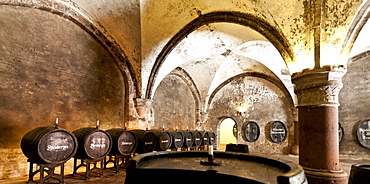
174 105
122 21
51 68
269 104
354 105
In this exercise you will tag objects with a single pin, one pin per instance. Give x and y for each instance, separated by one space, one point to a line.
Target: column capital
143 106
319 86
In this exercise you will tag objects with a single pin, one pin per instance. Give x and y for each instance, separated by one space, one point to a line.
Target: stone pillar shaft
317 92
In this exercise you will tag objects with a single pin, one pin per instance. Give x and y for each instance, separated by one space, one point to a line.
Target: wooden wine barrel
360 174
232 168
197 137
188 138
124 142
146 141
164 139
212 137
177 139
93 143
49 144
205 138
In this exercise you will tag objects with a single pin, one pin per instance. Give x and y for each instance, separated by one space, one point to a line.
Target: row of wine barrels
51 144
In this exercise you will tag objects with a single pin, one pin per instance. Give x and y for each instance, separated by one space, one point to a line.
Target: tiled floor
111 177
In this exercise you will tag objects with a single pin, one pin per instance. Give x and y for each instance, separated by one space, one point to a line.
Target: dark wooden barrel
124 142
241 148
188 138
93 143
146 141
49 144
212 137
197 136
164 140
360 174
177 139
205 138
232 168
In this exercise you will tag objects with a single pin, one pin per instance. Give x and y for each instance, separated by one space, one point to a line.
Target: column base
295 150
320 176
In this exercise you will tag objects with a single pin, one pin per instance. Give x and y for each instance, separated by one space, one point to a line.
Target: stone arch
358 22
180 72
75 14
263 27
276 82
217 127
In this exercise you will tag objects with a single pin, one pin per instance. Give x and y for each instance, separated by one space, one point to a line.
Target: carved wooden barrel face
177 139
57 146
278 132
97 144
212 137
127 143
49 145
363 133
164 141
188 139
148 142
205 138
250 131
197 138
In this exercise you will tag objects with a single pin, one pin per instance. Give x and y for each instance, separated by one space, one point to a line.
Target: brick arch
263 27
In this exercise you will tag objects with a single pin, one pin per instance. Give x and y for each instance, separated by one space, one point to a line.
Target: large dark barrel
205 138
146 141
211 137
231 168
49 144
197 137
177 139
241 148
360 174
93 143
188 138
124 142
164 139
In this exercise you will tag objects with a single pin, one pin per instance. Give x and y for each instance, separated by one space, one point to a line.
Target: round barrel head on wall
278 132
363 133
250 131
340 132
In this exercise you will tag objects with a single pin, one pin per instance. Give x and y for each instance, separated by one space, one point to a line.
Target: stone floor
111 177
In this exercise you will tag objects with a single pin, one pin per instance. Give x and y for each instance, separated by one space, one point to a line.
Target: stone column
317 91
143 107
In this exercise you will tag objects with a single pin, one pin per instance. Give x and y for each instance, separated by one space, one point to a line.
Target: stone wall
268 104
354 105
51 68
174 105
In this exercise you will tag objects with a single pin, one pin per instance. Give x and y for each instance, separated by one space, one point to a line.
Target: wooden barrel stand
119 161
84 162
49 169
